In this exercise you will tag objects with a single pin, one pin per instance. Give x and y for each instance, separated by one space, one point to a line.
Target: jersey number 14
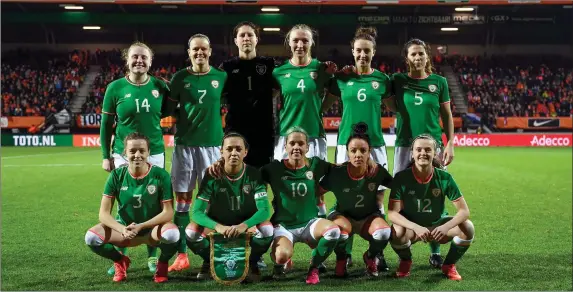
144 104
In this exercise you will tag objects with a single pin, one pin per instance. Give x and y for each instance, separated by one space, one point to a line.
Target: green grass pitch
520 202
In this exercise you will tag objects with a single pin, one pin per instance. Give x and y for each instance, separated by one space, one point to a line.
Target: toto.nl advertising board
460 140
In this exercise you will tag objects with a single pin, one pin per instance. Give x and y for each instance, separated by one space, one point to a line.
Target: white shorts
189 165
157 160
378 154
302 234
403 157
316 147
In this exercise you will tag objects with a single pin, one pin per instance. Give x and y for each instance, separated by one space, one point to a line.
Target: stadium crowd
40 83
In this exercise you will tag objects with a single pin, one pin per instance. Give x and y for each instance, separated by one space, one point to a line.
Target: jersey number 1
144 104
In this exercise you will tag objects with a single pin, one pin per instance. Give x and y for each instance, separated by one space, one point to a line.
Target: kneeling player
232 205
145 198
417 209
294 182
357 196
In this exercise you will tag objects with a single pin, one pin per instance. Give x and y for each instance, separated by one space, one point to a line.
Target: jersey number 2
359 204
144 104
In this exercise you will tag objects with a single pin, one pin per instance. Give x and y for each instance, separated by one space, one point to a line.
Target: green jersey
302 89
356 198
423 202
137 109
418 104
199 122
361 96
233 199
295 191
139 199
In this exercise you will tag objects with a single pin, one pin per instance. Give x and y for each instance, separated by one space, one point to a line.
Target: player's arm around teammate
232 205
197 89
145 200
302 81
356 210
417 209
294 182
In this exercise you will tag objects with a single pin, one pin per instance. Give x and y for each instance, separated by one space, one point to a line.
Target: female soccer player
357 196
145 203
249 95
362 91
294 182
232 205
135 103
302 82
198 90
417 209
421 99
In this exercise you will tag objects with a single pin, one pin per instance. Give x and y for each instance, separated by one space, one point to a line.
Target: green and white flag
229 258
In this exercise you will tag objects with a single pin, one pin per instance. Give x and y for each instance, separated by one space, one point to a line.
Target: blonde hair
198 35
305 27
125 52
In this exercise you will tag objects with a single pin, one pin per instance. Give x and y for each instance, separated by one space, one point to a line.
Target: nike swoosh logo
537 124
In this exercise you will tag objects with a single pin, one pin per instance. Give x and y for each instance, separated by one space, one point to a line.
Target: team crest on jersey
247 189
313 75
436 192
151 189
375 84
215 83
309 174
261 69
128 95
432 88
371 186
187 85
155 93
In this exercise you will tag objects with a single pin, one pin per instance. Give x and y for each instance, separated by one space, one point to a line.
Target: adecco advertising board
460 140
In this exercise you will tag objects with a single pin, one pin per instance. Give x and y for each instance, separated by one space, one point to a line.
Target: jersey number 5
418 98
144 104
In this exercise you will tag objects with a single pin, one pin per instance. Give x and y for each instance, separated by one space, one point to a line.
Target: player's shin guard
458 248
325 246
378 241
403 251
261 242
340 248
349 244
182 219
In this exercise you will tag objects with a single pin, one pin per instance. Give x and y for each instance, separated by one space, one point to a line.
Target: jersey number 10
299 189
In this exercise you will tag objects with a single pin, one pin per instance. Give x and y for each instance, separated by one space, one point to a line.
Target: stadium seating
44 85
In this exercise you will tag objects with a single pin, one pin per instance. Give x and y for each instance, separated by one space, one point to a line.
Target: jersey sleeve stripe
108 196
458 199
445 102
111 114
260 195
202 199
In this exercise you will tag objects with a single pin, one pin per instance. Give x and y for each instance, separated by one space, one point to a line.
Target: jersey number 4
144 104
301 85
